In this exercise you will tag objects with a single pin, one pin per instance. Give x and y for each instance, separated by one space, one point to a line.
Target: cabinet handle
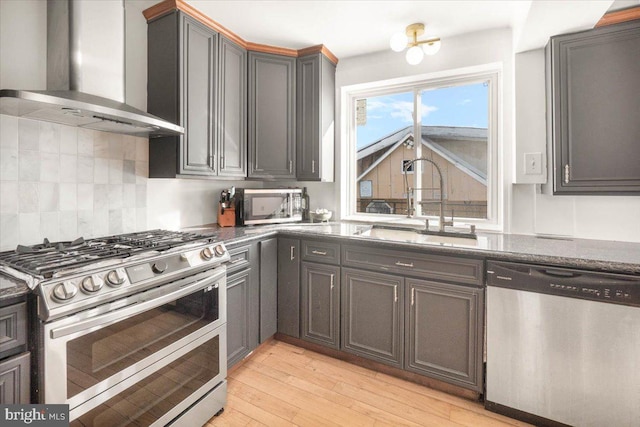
221 165
566 173
313 166
319 252
404 264
332 281
413 296
212 165
235 261
395 293
290 166
292 255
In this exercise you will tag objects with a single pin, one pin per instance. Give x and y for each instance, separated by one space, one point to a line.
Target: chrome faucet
410 209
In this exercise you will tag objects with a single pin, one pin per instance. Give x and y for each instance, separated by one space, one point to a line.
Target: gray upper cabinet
444 333
321 304
232 110
289 286
181 88
271 115
315 118
372 315
196 78
593 80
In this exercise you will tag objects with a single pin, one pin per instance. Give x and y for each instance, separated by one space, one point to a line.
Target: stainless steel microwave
268 205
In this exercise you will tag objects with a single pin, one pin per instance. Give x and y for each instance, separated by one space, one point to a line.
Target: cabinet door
444 334
238 317
271 116
268 288
289 286
372 315
232 110
321 304
596 110
14 380
198 65
315 118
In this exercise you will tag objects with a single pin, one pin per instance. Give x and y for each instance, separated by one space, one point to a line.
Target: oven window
148 400
100 354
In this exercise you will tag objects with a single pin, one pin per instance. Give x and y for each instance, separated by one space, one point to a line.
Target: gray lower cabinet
240 336
289 286
321 304
268 288
592 84
243 303
315 118
14 380
444 333
196 78
372 315
271 116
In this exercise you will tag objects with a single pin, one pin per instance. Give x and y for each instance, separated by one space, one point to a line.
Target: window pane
454 135
384 136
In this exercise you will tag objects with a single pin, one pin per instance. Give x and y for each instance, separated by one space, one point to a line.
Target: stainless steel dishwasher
563 345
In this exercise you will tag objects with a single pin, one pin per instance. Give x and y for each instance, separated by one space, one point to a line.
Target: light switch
533 163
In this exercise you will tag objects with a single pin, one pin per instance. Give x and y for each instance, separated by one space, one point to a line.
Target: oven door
93 356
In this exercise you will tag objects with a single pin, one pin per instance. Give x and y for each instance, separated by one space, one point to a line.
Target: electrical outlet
533 163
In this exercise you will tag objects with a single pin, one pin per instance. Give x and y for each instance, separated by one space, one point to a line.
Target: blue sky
451 106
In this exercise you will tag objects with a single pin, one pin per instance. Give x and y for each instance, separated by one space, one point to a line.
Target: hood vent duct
85 74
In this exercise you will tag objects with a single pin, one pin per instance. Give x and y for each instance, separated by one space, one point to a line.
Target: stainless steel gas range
132 328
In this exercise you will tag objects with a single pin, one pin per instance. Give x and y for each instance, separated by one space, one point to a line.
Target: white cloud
402 110
464 102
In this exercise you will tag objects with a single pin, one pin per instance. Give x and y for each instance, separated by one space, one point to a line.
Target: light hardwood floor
284 385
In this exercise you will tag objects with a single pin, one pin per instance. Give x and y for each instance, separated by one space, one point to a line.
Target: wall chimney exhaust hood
85 74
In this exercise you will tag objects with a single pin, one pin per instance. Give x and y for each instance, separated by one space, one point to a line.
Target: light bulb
398 42
415 55
431 48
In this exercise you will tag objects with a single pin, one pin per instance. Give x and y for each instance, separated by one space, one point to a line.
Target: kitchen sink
417 236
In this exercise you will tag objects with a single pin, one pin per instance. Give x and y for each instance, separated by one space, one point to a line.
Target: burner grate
46 259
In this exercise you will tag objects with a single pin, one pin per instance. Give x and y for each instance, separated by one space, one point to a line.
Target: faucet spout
410 210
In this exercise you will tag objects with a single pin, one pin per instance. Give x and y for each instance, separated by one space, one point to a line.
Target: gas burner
47 259
47 246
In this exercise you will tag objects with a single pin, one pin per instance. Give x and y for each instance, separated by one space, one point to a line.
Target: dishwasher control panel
589 285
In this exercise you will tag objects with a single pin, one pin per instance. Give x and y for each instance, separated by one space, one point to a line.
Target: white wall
486 47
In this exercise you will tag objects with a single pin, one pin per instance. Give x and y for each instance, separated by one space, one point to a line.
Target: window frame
418 83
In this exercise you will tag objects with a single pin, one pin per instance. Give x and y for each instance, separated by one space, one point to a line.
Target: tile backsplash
62 182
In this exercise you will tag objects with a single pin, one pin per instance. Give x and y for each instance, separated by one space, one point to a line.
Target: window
456 118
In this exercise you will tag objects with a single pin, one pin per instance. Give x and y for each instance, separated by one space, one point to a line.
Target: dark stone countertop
11 288
595 255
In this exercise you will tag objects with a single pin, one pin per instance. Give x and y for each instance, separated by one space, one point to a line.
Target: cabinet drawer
13 326
240 259
319 251
451 269
14 380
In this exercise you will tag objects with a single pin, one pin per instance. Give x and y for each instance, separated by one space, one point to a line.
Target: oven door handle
144 302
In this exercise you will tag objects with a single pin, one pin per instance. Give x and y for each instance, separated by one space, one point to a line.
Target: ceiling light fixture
415 53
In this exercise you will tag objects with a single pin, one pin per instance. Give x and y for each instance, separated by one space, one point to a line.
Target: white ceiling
351 28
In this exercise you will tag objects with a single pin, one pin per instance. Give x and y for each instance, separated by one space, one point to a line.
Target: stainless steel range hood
85 74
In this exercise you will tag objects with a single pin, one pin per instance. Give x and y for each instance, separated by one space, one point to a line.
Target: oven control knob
159 267
114 278
91 285
64 291
219 250
206 253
